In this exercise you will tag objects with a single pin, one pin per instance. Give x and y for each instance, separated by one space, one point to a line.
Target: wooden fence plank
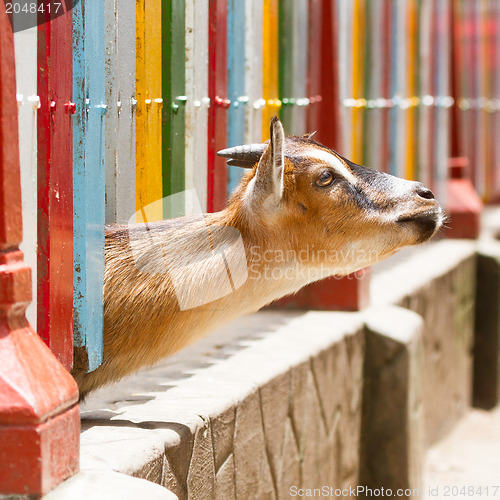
25 43
299 69
173 113
270 65
426 89
358 71
386 84
254 69
345 72
398 89
443 91
286 62
39 421
126 106
88 178
315 68
111 67
236 83
219 103
197 99
412 69
149 172
374 67
54 188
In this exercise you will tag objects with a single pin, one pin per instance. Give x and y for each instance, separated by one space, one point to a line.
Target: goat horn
241 163
246 153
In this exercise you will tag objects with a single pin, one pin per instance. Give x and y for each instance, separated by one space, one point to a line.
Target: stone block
222 436
326 413
152 471
252 471
486 388
392 424
224 480
438 283
201 475
105 485
447 306
177 461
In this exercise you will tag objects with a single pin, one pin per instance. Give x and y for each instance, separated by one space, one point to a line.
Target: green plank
173 93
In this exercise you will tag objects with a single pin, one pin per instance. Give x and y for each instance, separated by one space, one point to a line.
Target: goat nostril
424 192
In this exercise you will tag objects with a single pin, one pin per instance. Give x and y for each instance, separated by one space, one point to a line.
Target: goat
301 213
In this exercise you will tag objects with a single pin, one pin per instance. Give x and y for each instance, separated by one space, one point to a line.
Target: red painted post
328 105
55 192
463 204
349 293
39 420
219 103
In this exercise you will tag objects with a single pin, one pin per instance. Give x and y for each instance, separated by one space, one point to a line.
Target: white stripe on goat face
331 160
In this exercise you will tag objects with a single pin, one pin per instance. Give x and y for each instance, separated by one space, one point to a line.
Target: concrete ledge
270 402
486 392
392 426
437 282
283 398
105 485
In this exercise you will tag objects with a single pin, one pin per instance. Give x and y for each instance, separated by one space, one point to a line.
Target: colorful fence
121 105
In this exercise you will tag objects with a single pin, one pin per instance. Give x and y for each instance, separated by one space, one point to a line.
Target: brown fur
322 231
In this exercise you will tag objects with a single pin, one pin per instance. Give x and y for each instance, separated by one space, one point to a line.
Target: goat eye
325 179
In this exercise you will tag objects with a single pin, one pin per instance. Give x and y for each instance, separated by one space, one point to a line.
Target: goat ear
267 185
309 135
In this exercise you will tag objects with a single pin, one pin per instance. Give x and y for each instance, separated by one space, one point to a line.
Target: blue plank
236 82
88 178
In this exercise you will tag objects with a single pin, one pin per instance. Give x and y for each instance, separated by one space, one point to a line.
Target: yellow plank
148 118
411 86
270 90
358 43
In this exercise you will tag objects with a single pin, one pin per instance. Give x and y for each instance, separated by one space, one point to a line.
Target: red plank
55 235
328 108
349 293
217 113
463 204
39 425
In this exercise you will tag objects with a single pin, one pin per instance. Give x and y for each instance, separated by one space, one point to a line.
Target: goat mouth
426 223
428 215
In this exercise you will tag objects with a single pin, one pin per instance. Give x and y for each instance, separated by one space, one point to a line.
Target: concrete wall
280 401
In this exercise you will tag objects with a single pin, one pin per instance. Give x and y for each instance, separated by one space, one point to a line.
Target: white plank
196 104
443 113
300 49
253 69
110 23
125 95
373 116
345 17
25 43
425 115
400 88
